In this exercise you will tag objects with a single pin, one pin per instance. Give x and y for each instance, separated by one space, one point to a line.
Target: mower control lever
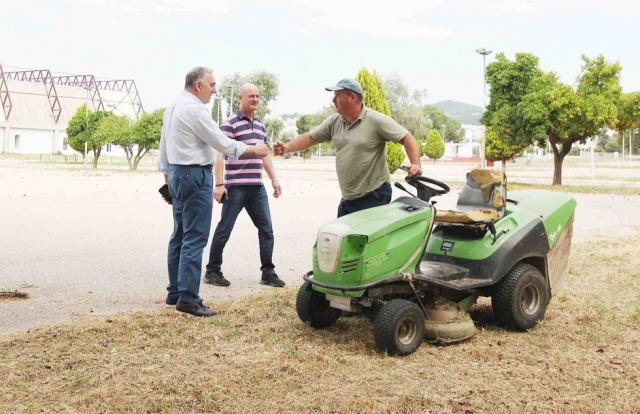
400 186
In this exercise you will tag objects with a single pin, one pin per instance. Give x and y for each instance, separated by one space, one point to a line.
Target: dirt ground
83 242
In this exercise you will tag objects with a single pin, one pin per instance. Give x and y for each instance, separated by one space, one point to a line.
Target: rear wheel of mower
399 327
520 299
314 308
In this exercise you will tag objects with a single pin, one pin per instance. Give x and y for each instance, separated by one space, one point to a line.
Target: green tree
374 98
451 129
499 150
94 141
613 144
305 123
116 130
528 105
275 128
628 114
434 147
78 129
229 90
146 133
82 129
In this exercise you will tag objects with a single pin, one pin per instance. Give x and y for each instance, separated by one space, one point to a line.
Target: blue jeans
254 199
378 197
192 191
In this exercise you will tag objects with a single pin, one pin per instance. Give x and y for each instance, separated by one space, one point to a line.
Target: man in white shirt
188 147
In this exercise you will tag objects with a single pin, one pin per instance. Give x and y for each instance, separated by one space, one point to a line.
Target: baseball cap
350 84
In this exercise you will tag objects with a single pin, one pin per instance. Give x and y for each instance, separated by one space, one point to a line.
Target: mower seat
482 199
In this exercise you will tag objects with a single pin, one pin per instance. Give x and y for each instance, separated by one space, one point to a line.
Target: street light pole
484 52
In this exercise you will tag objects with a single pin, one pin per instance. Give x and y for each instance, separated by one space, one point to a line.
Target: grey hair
195 75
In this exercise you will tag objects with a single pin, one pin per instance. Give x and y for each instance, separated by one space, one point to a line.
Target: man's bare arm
297 144
413 152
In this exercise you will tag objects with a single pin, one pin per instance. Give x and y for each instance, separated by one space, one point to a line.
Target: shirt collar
241 115
192 97
359 118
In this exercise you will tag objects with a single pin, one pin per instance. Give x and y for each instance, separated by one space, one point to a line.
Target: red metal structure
43 76
5 98
84 81
88 82
121 85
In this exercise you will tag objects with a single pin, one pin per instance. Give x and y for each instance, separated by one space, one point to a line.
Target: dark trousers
191 188
252 198
378 197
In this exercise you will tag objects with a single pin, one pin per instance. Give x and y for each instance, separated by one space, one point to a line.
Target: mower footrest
447 275
441 271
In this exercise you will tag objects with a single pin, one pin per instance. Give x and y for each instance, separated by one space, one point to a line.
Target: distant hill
460 111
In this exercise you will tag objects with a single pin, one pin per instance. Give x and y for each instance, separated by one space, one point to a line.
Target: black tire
520 299
399 327
314 308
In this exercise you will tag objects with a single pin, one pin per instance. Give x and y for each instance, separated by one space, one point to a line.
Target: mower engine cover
368 245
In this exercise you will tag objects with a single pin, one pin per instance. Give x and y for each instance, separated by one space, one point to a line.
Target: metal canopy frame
84 81
88 82
43 76
121 85
5 98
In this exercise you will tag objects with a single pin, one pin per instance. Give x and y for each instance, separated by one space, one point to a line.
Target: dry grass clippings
256 357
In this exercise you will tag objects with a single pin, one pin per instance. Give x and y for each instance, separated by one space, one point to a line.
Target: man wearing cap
360 135
188 144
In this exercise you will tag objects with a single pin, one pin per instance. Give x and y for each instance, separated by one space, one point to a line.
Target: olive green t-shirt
361 156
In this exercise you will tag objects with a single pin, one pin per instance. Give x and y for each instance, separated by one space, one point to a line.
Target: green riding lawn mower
416 270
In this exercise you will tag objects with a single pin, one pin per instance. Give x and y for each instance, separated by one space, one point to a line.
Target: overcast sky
311 44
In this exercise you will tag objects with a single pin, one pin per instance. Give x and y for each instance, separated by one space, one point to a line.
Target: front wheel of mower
521 297
399 327
314 308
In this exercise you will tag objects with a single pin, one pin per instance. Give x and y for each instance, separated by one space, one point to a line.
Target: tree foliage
275 127
528 105
499 149
116 130
305 123
229 90
628 114
374 98
434 147
78 129
82 129
146 135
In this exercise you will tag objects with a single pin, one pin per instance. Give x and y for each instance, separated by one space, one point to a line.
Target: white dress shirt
189 135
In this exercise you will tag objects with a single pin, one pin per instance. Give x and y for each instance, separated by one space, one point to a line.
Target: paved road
91 243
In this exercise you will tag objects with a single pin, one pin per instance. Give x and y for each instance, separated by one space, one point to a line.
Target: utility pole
484 52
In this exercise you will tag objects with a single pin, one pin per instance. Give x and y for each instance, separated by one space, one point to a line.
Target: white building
36 107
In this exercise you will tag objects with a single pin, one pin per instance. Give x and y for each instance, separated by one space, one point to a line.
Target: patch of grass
256 356
578 189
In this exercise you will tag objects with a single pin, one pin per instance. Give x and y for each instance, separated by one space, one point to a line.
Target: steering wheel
427 187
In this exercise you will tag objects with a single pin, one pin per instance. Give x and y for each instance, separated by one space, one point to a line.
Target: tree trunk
558 158
504 166
96 155
129 153
142 151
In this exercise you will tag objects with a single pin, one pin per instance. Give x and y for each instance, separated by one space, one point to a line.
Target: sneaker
171 300
195 309
272 279
216 278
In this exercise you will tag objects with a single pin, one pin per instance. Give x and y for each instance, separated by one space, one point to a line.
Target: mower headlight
328 245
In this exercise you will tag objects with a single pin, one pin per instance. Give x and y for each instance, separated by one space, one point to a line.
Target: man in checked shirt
241 188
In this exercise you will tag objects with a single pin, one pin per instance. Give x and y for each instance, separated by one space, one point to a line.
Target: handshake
262 150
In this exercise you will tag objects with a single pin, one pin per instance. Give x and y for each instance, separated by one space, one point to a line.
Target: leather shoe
171 300
195 309
216 278
272 279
